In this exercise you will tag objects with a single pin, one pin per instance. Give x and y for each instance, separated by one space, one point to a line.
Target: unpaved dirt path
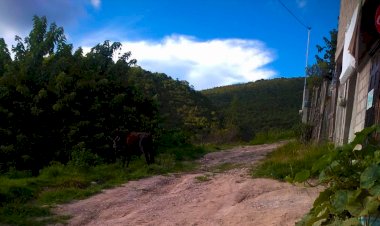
225 198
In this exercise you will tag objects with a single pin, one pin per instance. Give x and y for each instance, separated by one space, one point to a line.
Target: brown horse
134 143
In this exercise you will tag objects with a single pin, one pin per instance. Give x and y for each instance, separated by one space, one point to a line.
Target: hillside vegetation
258 106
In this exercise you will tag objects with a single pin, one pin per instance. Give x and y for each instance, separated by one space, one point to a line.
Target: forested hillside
258 106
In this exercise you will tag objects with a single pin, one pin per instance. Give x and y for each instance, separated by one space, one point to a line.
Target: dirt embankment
200 198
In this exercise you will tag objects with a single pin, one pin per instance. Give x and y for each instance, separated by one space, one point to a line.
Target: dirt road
201 198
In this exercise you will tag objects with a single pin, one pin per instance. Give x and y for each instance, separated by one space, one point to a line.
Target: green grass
290 159
272 136
212 147
186 152
203 178
223 167
26 200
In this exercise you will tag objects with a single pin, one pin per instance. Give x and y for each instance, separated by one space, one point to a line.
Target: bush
55 169
352 174
186 153
173 138
81 157
228 135
18 174
303 132
314 81
290 159
271 136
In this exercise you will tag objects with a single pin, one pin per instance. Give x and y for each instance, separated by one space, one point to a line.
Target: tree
55 104
5 57
326 63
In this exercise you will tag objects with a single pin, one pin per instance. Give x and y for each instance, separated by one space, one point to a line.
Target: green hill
259 106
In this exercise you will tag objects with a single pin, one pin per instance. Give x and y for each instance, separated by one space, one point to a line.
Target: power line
295 17
304 98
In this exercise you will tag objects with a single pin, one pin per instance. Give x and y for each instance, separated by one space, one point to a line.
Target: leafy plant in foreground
352 176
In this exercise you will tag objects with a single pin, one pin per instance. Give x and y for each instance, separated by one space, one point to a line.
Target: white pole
305 91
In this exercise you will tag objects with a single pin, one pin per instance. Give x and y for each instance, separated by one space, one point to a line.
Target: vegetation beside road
289 159
272 136
350 175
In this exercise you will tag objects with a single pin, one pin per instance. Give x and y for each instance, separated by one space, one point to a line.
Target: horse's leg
123 160
147 158
148 148
151 154
129 156
146 154
142 149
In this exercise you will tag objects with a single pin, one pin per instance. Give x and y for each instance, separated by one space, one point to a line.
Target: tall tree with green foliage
325 64
5 58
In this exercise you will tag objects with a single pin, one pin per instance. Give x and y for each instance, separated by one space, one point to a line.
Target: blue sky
206 42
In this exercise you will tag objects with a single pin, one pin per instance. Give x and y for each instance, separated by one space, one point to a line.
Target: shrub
271 136
174 138
352 174
289 159
54 170
303 132
82 157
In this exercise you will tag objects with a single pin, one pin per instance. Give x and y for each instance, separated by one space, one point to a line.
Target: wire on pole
304 98
295 17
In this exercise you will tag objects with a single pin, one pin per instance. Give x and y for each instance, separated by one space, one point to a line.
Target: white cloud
95 4
301 3
204 64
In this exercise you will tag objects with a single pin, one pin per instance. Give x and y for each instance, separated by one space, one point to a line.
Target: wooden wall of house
319 111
